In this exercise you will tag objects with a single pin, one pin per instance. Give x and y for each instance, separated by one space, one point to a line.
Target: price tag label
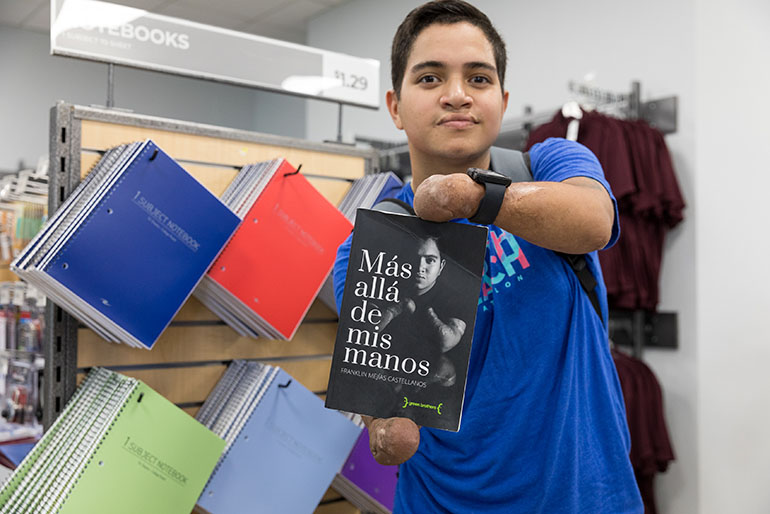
355 79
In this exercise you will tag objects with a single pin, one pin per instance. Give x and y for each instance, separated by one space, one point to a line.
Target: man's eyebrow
480 65
474 65
427 64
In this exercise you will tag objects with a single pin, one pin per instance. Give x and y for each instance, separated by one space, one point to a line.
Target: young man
543 427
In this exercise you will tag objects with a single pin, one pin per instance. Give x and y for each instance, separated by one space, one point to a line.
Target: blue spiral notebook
285 456
126 255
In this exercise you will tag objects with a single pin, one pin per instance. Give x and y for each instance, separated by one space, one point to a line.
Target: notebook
367 484
128 247
270 272
283 447
117 447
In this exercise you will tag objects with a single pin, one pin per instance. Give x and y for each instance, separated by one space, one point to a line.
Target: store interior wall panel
192 353
205 149
207 343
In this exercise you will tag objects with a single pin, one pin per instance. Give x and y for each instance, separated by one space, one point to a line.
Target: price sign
355 80
106 32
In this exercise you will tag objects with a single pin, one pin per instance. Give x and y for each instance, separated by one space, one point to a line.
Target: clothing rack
660 113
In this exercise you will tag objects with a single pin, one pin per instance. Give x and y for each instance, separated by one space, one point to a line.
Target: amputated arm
574 216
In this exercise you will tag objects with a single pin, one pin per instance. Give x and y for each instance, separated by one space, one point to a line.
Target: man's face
451 103
429 267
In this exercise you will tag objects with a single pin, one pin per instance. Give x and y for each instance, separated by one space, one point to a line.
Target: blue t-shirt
543 427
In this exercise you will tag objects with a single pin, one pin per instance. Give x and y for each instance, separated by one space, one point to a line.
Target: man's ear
392 100
443 261
505 101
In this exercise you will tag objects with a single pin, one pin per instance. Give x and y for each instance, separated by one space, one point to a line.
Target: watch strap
490 204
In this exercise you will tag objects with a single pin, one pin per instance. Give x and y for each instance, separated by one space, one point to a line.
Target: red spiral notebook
273 267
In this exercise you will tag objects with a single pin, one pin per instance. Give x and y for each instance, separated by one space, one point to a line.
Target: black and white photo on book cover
407 319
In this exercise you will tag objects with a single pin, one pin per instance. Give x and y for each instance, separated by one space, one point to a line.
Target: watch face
497 178
488 177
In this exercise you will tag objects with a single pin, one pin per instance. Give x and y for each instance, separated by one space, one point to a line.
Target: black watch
495 185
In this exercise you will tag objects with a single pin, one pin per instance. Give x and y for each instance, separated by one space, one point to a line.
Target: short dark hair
443 12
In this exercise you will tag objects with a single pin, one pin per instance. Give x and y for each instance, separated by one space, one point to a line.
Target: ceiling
279 19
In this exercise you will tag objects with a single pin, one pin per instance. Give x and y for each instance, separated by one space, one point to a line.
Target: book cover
407 319
284 457
280 256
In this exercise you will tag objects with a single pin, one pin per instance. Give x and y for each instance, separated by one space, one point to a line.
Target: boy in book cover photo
427 313
543 423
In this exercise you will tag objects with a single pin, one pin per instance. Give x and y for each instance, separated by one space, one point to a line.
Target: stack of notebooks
283 448
365 483
117 447
270 272
368 191
365 193
129 245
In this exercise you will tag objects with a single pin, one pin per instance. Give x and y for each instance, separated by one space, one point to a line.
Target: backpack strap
511 163
393 206
579 265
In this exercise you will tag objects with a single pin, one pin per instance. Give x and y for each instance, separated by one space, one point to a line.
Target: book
407 319
268 275
283 448
128 246
118 446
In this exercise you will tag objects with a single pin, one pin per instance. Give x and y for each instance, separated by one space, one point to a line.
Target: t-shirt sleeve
556 160
340 270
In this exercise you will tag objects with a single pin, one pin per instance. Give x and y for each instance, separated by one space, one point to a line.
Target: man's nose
456 94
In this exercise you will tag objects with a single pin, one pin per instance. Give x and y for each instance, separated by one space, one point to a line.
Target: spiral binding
68 452
93 188
126 396
263 380
43 454
245 394
45 442
51 472
265 384
57 223
223 390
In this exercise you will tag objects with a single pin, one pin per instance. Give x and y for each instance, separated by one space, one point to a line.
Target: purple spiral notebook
367 474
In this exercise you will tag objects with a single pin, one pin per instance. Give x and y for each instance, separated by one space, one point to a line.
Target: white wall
31 81
733 275
549 43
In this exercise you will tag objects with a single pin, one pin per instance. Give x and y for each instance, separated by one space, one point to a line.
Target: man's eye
428 79
480 79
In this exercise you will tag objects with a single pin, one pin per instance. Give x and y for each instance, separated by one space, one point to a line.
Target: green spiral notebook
118 447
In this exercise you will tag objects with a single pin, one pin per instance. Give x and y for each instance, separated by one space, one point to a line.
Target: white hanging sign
112 33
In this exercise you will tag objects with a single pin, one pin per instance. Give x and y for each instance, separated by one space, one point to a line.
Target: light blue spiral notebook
285 456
